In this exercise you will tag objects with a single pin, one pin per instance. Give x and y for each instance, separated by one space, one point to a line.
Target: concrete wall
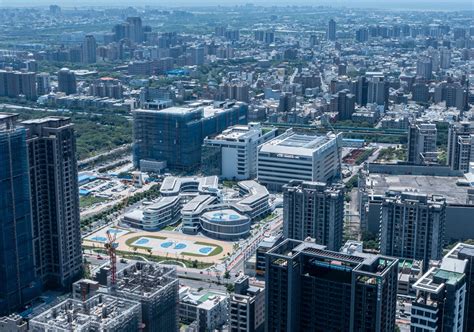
404 169
229 162
459 221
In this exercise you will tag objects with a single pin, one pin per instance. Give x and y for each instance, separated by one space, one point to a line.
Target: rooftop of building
453 265
135 215
365 264
13 320
299 185
240 132
268 242
6 115
223 215
422 184
208 108
435 279
101 311
297 144
451 270
160 203
144 280
8 121
173 185
352 246
197 203
202 299
408 264
255 191
467 251
46 120
463 249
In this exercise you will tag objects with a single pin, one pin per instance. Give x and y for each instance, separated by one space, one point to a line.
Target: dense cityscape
236 168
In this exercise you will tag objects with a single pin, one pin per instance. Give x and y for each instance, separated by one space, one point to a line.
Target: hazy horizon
396 4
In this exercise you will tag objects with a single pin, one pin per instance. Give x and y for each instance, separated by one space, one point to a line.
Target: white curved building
192 210
194 199
173 186
155 215
164 212
255 197
226 224
176 192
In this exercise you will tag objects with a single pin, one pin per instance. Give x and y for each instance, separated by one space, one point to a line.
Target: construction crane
111 247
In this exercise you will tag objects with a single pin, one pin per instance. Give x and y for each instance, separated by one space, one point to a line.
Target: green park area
89 200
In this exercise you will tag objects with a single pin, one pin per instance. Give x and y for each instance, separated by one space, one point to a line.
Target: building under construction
155 286
101 312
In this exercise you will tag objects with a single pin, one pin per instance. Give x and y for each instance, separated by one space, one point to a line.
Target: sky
393 4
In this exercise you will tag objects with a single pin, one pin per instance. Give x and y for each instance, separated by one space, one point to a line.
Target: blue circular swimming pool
234 217
99 239
142 241
166 244
205 250
180 246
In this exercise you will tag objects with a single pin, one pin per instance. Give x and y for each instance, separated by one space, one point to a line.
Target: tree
347 198
227 274
230 288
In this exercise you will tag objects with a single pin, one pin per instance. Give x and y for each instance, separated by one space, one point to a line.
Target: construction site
152 285
101 312
156 288
125 296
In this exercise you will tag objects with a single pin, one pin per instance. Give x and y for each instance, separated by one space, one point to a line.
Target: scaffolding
100 313
156 288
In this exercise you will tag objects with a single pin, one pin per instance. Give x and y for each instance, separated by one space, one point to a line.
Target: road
85 162
292 78
356 168
237 259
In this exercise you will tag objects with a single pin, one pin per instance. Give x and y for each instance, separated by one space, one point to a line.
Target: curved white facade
225 224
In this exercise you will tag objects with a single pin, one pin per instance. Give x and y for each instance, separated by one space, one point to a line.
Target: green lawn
392 153
85 201
269 217
229 184
172 227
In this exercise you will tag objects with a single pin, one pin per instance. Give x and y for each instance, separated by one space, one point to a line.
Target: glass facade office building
175 135
17 273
